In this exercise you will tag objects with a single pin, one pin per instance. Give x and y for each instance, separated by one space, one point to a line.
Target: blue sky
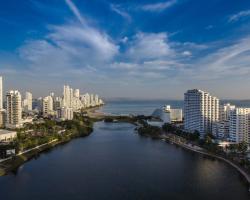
151 49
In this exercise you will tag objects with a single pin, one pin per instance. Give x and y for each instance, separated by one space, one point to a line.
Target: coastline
243 173
12 163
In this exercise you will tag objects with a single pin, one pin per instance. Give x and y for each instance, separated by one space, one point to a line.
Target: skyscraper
14 109
77 93
239 128
48 106
27 102
201 110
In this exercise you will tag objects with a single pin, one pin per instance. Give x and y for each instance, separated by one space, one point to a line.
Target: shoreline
242 172
13 163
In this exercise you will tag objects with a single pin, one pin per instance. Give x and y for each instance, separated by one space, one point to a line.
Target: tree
242 147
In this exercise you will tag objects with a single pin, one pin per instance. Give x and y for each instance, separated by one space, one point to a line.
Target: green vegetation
108 120
170 128
33 135
233 152
148 130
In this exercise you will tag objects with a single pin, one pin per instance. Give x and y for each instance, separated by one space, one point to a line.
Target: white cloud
117 10
69 46
75 11
158 7
239 15
230 61
147 46
187 53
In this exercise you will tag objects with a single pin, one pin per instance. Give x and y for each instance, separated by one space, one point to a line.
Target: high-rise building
27 102
14 109
201 110
221 128
65 113
77 93
239 128
1 92
48 106
57 103
66 95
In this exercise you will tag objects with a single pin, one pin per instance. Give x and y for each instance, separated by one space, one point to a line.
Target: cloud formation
147 46
158 7
145 54
238 16
120 12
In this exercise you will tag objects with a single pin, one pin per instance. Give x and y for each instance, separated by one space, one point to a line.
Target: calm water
114 163
148 107
138 107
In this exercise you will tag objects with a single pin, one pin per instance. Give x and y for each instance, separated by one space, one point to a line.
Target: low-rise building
175 114
6 135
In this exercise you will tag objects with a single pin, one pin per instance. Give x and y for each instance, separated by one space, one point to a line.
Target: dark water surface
113 163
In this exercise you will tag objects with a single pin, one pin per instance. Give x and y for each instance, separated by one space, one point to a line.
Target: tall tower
47 106
27 102
14 109
77 93
201 110
1 93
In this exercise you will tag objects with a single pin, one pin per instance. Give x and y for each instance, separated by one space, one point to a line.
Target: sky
146 49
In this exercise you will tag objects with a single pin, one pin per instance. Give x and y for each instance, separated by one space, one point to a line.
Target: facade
239 128
48 106
14 109
201 110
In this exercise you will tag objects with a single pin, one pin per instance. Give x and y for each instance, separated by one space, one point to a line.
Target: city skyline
126 49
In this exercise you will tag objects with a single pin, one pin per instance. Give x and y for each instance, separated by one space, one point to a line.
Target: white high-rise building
48 106
221 128
27 102
239 128
77 93
14 109
1 92
201 110
66 95
92 100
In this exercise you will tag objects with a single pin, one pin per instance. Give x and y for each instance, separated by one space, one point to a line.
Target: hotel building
239 128
201 110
